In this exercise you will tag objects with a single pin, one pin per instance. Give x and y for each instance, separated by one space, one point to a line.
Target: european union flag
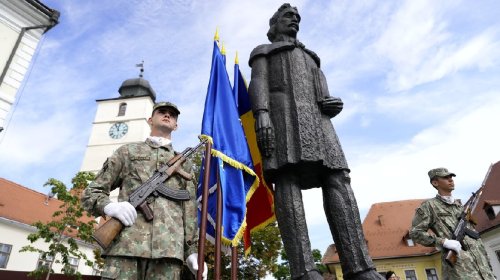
231 160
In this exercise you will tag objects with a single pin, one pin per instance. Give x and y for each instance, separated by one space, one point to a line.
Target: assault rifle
461 229
105 234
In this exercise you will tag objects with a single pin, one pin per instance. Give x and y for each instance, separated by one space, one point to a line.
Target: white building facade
15 236
20 208
22 25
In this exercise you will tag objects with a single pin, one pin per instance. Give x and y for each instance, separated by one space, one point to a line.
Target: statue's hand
331 106
265 133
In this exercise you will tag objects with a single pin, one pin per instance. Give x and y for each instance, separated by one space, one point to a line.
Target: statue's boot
293 228
312 275
343 218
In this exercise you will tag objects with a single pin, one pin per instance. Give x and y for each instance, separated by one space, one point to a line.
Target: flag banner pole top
223 50
216 36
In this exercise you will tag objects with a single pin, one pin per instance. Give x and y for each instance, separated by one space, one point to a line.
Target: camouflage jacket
173 232
441 218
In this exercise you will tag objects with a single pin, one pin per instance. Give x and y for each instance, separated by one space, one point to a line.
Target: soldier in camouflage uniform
155 249
440 215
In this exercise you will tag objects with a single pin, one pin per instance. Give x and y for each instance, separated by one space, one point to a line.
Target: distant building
386 229
486 215
119 121
22 25
20 207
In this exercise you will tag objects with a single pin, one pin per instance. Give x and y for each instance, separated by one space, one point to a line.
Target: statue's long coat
287 82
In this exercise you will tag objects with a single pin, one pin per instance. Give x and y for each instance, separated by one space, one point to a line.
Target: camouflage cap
439 172
166 104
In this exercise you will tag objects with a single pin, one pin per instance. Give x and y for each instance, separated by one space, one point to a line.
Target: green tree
66 226
317 260
283 268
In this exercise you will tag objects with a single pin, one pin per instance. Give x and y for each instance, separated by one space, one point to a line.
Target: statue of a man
300 149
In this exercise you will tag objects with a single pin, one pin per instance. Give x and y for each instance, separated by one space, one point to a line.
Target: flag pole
218 228
234 249
234 263
204 207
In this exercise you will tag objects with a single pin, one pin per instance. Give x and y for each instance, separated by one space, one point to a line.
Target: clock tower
119 121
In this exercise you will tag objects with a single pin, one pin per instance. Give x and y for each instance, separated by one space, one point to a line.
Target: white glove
453 245
123 211
192 264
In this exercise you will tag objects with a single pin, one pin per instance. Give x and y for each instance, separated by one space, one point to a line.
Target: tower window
122 109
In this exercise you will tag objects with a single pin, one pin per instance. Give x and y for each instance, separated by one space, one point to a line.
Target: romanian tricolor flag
231 162
260 207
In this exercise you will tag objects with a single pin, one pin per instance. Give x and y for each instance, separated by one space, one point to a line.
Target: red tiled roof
491 197
385 226
26 206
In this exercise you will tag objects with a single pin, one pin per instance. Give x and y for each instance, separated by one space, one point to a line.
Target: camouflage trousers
128 268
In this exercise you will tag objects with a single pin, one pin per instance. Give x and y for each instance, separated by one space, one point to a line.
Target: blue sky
419 80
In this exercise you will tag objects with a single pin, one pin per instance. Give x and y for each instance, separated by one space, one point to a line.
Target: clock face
118 130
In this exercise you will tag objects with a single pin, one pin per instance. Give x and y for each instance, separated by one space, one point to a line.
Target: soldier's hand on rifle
123 211
331 106
192 264
265 133
453 245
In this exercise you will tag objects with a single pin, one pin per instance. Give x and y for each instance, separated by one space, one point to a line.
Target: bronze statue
300 149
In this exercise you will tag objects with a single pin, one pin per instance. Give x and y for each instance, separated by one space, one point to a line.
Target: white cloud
465 142
35 141
422 47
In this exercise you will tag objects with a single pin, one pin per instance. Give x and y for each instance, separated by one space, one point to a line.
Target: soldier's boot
343 218
293 228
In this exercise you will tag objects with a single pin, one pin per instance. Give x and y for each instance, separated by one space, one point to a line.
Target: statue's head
284 23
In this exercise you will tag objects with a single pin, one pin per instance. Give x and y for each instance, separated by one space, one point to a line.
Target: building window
123 109
408 240
73 263
4 254
431 274
44 261
410 275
